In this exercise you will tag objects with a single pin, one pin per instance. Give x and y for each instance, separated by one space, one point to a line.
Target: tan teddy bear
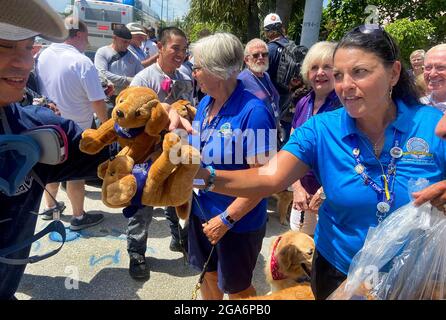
141 174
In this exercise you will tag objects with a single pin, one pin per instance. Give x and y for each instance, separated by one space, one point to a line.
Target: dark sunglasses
257 55
376 30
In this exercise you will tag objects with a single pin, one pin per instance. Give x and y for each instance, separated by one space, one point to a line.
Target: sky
176 8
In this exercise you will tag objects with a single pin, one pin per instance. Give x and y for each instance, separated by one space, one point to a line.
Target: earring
390 92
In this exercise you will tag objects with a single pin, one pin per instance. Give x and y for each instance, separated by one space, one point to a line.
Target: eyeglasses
258 54
375 29
196 68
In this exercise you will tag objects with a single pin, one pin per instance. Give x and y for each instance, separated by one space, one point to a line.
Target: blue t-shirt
325 143
226 144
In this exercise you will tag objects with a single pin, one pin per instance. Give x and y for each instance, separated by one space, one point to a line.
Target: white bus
102 17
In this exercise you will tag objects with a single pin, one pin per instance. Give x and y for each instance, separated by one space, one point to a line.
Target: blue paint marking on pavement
150 251
71 235
36 246
115 259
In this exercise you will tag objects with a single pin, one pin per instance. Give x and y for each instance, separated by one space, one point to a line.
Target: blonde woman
317 72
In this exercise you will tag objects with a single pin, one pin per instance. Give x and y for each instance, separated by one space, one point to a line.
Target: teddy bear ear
191 111
159 120
121 96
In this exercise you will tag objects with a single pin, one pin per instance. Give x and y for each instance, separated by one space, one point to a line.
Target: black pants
138 227
325 278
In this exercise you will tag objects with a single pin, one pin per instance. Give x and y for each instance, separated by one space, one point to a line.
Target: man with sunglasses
256 79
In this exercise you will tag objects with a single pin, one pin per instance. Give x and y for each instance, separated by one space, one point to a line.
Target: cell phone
52 141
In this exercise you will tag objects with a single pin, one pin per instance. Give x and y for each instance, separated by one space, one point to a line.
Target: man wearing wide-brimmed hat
20 22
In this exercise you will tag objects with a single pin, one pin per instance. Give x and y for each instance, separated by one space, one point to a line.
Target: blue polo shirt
325 143
240 130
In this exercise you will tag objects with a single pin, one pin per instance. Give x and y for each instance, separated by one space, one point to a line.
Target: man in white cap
277 41
275 33
20 22
138 37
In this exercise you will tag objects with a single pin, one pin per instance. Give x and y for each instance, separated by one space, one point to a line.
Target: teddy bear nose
119 114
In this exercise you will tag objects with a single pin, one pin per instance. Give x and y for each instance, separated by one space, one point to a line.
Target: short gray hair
320 51
253 43
419 51
221 54
438 47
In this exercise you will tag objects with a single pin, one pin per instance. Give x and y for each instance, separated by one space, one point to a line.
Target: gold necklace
376 145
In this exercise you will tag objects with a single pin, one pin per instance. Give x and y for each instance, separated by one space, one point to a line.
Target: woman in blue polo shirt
363 154
234 131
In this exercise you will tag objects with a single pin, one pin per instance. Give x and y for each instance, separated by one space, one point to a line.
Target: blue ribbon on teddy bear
140 172
127 133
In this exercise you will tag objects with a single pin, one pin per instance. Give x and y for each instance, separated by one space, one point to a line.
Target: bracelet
226 219
210 184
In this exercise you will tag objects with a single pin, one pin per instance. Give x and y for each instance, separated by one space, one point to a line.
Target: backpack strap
55 226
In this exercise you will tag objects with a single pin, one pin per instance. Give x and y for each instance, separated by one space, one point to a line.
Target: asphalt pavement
95 264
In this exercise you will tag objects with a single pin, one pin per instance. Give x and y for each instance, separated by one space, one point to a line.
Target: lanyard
310 108
210 128
385 193
325 106
270 95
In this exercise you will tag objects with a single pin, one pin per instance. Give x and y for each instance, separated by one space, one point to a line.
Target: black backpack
291 58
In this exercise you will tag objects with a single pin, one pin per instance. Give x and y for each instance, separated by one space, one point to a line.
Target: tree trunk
253 20
283 9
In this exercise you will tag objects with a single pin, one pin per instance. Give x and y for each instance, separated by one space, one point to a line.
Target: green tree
342 15
243 18
411 35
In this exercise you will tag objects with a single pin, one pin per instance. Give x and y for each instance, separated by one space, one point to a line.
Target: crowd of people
362 130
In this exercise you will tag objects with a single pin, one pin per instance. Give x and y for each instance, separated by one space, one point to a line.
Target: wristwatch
226 219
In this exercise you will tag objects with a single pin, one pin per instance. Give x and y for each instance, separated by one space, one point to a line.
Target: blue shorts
234 257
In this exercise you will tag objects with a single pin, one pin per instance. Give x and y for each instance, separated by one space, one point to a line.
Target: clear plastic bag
402 258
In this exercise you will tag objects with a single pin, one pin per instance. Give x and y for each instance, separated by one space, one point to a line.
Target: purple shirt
304 111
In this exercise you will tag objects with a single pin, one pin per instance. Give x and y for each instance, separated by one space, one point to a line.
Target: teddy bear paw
171 142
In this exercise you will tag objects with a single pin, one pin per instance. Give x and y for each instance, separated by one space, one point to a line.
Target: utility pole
311 23
167 10
162 4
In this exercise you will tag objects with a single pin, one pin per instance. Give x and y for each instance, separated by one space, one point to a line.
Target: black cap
123 32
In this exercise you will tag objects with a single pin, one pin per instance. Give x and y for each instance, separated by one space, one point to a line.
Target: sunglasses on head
376 30
257 55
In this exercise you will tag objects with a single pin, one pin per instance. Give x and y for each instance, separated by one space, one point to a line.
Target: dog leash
205 266
183 249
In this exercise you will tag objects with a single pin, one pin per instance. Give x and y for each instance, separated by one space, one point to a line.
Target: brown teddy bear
141 174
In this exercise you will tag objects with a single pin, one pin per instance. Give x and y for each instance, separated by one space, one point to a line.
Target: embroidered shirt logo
417 148
225 130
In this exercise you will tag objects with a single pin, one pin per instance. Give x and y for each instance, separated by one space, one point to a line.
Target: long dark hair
374 39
